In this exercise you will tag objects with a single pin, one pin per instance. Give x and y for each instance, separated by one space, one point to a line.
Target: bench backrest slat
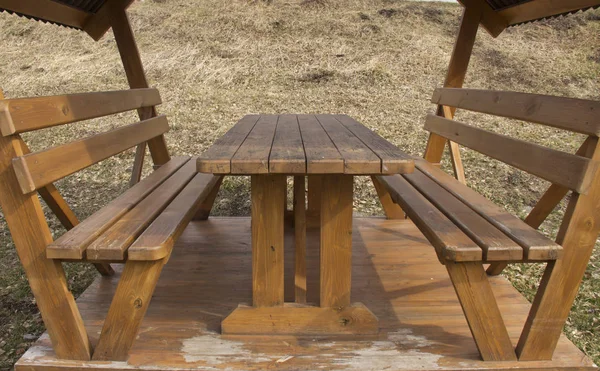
27 114
568 170
38 169
578 115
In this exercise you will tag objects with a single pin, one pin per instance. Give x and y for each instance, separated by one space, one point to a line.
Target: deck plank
395 272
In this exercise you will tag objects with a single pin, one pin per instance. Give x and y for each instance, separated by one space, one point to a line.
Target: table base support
300 319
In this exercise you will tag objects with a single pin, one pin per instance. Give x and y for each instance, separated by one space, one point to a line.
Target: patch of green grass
376 60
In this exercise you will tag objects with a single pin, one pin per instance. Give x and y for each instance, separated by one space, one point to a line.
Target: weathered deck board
395 273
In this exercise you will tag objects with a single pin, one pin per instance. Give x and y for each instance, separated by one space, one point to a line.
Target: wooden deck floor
395 273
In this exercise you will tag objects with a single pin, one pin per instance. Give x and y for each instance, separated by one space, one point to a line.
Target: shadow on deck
395 274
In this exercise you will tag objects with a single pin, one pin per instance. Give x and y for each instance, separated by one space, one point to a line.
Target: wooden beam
560 283
31 235
568 170
268 201
134 69
38 169
578 115
457 70
391 209
481 310
98 24
533 10
27 114
336 240
300 239
206 206
48 10
493 23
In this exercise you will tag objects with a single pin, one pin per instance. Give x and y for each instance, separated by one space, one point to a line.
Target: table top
303 144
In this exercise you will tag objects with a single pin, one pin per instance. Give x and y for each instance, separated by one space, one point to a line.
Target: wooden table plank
393 160
321 155
358 158
217 159
253 155
287 152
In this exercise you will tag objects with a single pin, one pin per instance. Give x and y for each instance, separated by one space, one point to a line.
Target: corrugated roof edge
557 15
38 19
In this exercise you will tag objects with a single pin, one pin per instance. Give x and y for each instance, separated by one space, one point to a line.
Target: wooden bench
468 231
138 228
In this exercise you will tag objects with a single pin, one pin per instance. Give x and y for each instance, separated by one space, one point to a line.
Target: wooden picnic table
330 150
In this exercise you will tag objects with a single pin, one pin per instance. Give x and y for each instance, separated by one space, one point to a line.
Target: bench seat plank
393 161
157 241
73 243
113 243
495 244
536 246
450 243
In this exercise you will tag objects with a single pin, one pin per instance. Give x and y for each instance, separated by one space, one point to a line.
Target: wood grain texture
27 114
48 10
535 245
321 155
156 242
495 244
393 160
253 155
127 310
450 243
481 310
217 159
396 274
336 240
100 23
578 234
206 206
116 17
72 244
558 167
38 169
358 158
457 68
287 151
300 239
295 319
31 234
542 8
268 196
113 243
578 115
391 209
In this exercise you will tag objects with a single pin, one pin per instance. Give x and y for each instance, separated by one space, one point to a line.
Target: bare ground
376 60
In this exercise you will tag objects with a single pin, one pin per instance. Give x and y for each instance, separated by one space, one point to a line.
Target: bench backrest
39 169
572 171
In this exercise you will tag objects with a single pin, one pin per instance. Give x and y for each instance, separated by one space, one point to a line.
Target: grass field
377 60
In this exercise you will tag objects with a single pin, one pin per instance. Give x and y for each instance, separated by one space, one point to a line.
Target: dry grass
377 60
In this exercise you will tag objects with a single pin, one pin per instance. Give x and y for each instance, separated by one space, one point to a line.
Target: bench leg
127 309
207 205
392 210
481 310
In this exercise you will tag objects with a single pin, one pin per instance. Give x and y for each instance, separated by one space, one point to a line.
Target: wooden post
207 205
136 77
336 240
300 239
455 77
561 280
31 236
268 197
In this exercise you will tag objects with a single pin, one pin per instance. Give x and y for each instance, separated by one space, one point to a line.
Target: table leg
300 239
268 198
336 240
